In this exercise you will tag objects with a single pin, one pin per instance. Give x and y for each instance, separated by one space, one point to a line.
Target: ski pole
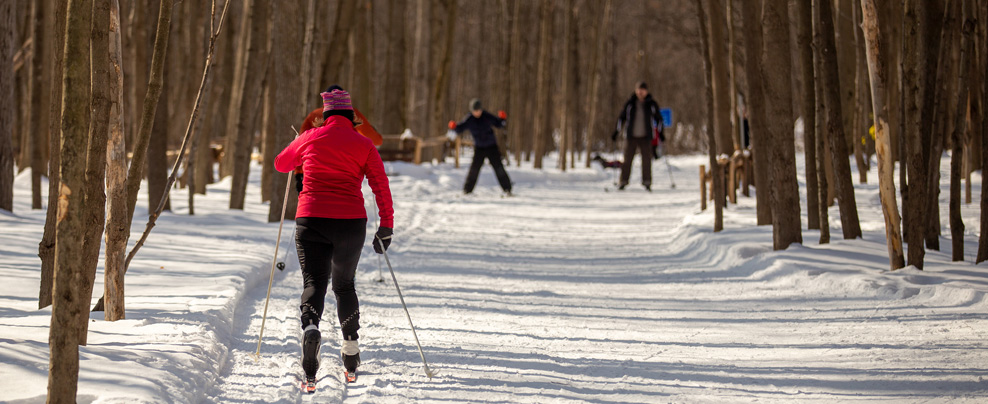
425 364
274 259
669 170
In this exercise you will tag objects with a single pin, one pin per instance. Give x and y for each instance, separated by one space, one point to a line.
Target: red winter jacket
336 159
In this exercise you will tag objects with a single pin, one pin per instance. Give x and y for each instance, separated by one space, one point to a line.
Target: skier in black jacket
641 122
480 123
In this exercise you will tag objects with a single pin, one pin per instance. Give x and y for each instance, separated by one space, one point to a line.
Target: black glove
383 236
298 182
614 136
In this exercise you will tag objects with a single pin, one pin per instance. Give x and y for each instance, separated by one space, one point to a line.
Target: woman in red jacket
331 221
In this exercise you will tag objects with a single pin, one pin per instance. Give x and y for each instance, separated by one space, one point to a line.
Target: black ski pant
328 250
492 154
644 146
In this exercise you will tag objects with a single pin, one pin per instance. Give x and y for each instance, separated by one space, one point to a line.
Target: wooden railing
737 172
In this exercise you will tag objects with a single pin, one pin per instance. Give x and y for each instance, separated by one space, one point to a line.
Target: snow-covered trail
563 293
567 293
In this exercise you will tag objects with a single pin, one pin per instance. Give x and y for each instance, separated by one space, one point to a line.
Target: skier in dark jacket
331 221
641 122
480 123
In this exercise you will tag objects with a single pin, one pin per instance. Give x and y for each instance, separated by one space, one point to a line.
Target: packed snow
569 291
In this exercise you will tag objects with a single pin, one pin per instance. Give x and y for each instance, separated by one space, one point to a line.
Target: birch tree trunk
70 304
824 38
7 110
776 58
877 72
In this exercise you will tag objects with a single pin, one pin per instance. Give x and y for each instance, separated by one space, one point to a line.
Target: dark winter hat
641 85
475 104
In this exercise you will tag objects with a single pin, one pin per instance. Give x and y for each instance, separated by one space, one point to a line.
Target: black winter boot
311 341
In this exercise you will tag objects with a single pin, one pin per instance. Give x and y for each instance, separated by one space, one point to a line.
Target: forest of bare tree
100 95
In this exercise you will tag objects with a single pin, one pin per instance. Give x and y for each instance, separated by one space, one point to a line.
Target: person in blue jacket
480 123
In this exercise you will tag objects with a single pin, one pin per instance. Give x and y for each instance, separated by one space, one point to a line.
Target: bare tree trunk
345 15
116 181
845 56
7 111
441 84
718 175
516 65
55 56
44 42
886 169
156 211
565 128
418 99
600 29
241 126
914 69
804 27
736 130
751 14
543 114
859 126
824 38
157 154
393 114
940 44
287 38
70 304
32 135
957 135
983 238
822 157
716 24
776 58
136 172
95 208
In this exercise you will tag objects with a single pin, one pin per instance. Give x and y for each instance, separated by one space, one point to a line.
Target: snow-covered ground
563 293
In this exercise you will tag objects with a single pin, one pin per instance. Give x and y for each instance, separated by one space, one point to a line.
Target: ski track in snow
566 293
